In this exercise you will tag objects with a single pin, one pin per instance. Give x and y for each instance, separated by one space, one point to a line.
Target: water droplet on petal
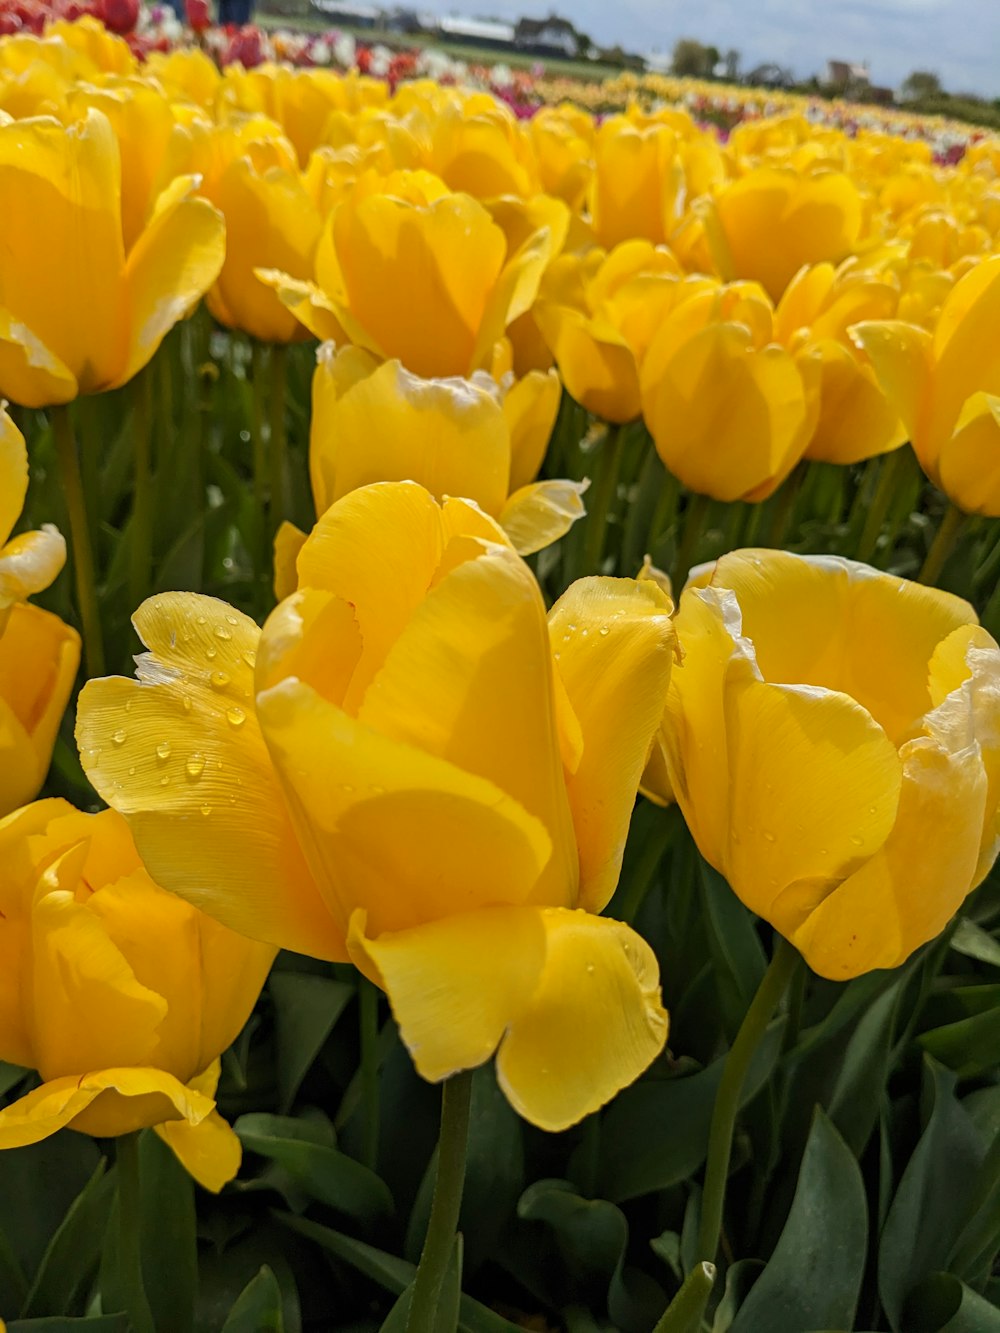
769 836
195 766
250 657
605 630
120 736
211 654
165 780
206 810
219 680
222 633
232 620
236 717
163 751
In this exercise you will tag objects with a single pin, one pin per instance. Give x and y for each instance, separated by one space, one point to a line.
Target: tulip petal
969 467
288 542
447 434
13 474
455 985
39 657
171 266
905 894
179 752
29 563
209 1151
105 1104
592 1026
310 306
856 420
899 354
30 372
614 643
539 514
347 785
531 406
469 680
597 366
839 809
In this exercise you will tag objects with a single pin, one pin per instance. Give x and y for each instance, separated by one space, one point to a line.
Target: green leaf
75 1250
306 1008
737 953
853 1105
929 1207
324 1173
258 1308
942 1304
655 1133
685 1312
447 1314
813 1278
970 1046
168 1240
390 1272
972 941
38 1185
591 1234
740 1277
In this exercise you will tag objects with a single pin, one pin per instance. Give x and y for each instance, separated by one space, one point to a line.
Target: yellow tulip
416 273
598 313
121 995
39 655
946 387
271 222
562 139
457 769
771 221
464 437
79 314
833 740
855 419
477 147
730 411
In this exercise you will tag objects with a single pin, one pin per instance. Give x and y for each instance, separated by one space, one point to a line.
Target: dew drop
131 771
222 633
769 836
219 680
250 657
590 969
128 705
187 705
858 842
202 620
236 717
206 810
195 766
165 780
120 736
232 620
211 654
163 751
605 631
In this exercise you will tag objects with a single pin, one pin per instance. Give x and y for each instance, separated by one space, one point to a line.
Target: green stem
278 438
784 504
885 491
694 520
601 498
83 556
456 1098
951 525
368 1023
257 427
686 1311
140 573
727 1101
129 1255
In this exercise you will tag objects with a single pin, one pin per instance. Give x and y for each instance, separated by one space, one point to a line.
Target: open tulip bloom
39 654
833 740
122 996
414 768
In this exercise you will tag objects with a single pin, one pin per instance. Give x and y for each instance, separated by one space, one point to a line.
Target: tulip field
499 706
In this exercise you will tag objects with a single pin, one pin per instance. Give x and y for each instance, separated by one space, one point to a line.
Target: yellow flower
855 421
271 222
79 313
121 995
464 437
771 221
833 740
946 387
599 313
457 770
730 411
39 655
416 273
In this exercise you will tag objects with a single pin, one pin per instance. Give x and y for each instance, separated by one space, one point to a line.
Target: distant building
846 75
553 36
348 13
476 32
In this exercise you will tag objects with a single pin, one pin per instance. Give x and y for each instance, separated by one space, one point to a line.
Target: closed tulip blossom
79 311
121 995
39 654
415 768
945 386
833 741
455 436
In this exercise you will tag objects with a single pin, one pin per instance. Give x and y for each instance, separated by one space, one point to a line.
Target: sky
958 39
